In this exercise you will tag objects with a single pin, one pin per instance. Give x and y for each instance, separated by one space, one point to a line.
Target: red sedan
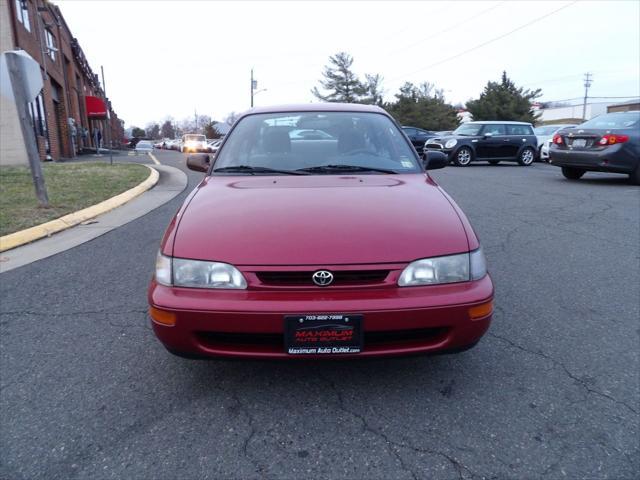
338 244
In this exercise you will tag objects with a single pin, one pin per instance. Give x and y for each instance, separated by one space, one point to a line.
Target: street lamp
254 88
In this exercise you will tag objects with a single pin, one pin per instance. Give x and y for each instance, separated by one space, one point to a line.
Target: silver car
545 134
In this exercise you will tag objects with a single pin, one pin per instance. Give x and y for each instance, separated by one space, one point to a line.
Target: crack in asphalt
568 372
259 469
457 465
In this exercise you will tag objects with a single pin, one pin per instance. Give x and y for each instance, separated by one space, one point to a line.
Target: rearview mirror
198 162
434 160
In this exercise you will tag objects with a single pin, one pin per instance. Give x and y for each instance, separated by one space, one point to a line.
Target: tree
423 106
153 131
342 84
167 130
210 130
138 132
372 90
504 101
231 118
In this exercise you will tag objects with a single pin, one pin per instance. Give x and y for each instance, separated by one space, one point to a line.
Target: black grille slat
304 278
276 340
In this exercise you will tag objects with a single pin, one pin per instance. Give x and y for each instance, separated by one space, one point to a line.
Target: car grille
304 278
275 341
433 146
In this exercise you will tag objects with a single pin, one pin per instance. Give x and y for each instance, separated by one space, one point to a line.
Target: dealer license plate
326 334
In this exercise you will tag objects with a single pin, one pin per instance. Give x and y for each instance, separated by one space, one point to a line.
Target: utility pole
195 115
108 132
252 88
587 83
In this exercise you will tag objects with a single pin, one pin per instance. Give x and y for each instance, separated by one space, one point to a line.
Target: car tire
634 177
571 173
463 157
527 156
494 162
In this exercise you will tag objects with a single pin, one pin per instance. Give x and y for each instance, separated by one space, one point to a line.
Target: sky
171 58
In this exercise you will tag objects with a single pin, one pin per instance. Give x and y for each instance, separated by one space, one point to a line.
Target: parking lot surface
552 391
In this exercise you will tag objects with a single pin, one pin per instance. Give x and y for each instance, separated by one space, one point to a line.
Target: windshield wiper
253 170
344 168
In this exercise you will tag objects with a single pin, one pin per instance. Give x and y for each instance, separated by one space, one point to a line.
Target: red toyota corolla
317 232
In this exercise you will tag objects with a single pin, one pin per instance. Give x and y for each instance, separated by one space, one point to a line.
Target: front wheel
572 173
463 157
527 156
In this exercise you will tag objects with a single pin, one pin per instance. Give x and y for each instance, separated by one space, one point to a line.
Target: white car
544 134
192 142
144 147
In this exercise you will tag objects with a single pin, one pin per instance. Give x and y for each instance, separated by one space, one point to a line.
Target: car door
491 143
518 136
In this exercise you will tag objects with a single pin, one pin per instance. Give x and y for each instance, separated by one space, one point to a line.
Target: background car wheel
494 162
572 173
634 177
463 157
527 156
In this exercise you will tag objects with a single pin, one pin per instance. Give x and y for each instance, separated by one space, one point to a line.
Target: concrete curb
29 235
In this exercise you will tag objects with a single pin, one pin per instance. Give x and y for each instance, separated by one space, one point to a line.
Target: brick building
71 107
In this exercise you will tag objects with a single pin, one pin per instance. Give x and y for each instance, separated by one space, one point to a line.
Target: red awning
95 107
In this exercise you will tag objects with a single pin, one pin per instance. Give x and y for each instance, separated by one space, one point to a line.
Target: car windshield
612 121
339 142
194 138
468 129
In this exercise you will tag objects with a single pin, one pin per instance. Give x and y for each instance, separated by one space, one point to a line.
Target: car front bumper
250 324
615 158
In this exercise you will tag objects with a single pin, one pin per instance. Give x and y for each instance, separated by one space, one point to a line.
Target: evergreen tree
341 83
504 101
372 90
167 130
423 106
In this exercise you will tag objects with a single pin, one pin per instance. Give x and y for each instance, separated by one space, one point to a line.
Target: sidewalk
172 181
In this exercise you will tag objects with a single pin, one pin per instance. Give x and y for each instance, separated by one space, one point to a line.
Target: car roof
501 122
316 107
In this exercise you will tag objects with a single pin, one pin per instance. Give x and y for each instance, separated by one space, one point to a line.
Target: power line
536 20
455 26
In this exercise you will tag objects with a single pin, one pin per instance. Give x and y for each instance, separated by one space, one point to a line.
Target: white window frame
22 13
51 43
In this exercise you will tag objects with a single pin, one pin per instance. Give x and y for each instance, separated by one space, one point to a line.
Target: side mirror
198 162
488 135
434 160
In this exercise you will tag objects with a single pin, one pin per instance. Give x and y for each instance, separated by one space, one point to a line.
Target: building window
39 119
51 44
22 12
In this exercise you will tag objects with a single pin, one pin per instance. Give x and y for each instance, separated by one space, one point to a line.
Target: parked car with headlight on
544 134
493 142
606 143
307 247
194 143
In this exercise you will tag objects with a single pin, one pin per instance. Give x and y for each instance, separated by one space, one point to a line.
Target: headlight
451 143
163 269
449 269
182 272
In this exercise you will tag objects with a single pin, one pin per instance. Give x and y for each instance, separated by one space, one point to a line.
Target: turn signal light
162 317
481 311
612 139
557 139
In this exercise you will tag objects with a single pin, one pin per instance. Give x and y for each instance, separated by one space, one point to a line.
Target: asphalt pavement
552 391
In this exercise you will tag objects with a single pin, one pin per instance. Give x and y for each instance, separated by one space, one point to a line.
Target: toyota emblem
322 278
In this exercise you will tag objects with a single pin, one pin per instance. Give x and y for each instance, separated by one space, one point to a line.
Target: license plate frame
324 334
579 143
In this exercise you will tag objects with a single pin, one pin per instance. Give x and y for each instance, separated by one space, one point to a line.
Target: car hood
445 138
318 220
